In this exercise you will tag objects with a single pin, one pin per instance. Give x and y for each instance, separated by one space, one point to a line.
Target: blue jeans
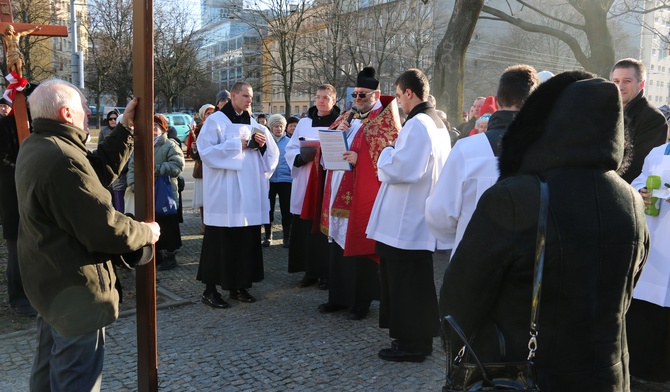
67 363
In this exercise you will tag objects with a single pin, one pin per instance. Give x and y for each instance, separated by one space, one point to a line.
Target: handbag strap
461 334
539 265
537 285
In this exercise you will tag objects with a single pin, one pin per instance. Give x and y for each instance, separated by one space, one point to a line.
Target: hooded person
168 161
5 107
348 197
488 108
581 344
222 98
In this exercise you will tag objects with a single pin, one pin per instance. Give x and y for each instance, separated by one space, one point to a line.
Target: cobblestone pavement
279 343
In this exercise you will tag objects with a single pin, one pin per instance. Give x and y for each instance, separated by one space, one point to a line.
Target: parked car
181 122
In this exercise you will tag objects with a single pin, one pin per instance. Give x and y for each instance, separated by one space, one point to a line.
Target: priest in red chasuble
348 197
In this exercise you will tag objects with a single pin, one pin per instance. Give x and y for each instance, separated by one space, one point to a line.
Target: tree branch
568 39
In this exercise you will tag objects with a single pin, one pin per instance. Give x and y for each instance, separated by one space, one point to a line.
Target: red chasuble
358 188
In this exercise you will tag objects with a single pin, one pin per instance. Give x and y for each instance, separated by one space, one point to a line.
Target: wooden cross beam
145 279
6 19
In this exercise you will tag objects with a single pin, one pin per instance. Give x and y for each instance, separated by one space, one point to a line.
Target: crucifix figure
15 61
10 42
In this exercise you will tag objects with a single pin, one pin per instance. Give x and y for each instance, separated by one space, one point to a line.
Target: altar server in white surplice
648 318
308 251
238 157
408 172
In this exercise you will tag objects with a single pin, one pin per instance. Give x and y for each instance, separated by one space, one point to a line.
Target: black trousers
352 281
231 257
283 189
308 252
408 306
648 332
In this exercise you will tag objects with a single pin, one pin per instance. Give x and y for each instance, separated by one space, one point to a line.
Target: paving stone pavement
280 343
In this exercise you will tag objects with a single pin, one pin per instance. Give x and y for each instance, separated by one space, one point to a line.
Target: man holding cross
68 234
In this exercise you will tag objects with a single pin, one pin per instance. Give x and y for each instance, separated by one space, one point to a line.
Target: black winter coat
647 129
596 242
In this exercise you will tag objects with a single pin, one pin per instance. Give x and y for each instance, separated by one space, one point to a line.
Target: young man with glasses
408 171
349 195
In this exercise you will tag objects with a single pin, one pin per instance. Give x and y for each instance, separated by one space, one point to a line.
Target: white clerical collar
377 105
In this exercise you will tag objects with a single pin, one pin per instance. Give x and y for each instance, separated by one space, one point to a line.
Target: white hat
204 108
544 76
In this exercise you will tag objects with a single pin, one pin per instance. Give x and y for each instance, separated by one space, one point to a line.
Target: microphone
352 113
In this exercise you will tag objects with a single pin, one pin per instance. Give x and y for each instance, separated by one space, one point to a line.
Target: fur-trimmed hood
572 120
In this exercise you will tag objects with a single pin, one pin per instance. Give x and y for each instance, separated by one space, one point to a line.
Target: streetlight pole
77 79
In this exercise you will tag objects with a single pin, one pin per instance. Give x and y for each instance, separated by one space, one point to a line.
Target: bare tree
35 49
176 66
109 64
325 55
416 40
450 56
377 38
109 30
585 30
340 37
278 24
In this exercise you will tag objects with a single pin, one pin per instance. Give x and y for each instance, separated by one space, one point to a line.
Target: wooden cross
143 88
19 104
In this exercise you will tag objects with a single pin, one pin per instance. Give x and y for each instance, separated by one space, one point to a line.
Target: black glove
307 154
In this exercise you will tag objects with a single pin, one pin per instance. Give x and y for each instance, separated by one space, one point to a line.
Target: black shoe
167 264
397 355
427 346
242 295
306 282
358 313
330 308
323 284
214 300
25 310
266 243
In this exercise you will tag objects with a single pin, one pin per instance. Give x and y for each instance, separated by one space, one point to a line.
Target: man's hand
260 139
155 230
344 126
351 157
646 195
128 117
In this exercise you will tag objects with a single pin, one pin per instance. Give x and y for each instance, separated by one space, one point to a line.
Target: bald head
56 99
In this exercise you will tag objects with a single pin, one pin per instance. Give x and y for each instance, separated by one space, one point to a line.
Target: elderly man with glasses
349 195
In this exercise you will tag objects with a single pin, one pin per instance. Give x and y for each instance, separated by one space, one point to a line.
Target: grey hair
51 95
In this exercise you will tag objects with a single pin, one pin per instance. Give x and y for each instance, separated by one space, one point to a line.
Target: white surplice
234 180
408 174
300 174
654 282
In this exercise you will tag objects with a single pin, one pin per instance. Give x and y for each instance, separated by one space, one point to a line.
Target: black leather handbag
466 372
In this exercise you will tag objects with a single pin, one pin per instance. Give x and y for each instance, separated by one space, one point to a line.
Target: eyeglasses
361 95
112 119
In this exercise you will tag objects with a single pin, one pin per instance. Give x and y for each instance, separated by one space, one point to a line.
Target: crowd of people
413 185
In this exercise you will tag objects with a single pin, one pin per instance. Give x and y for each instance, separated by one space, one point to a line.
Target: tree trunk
602 56
450 58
